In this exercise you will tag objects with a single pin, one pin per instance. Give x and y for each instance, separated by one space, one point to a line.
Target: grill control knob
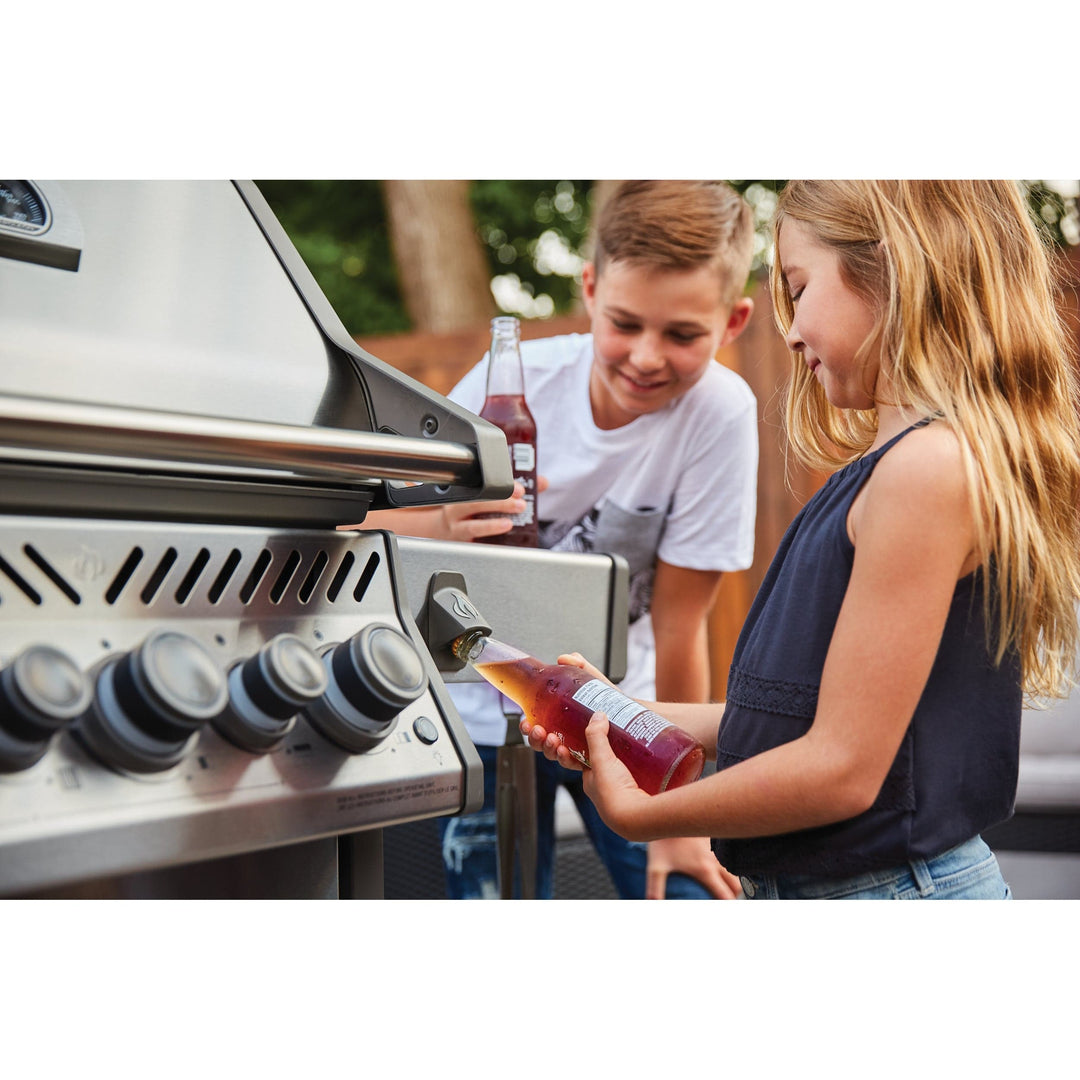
268 690
40 690
150 703
371 677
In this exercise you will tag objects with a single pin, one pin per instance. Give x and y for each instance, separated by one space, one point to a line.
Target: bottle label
638 723
526 516
523 458
523 455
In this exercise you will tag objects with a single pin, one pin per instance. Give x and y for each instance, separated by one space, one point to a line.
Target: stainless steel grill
206 688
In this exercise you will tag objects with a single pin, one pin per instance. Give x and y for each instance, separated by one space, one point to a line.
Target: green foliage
1056 209
761 195
339 228
533 233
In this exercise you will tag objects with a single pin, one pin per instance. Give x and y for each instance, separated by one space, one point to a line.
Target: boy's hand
468 521
471 520
463 521
690 855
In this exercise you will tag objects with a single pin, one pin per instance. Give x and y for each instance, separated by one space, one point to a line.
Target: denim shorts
968 871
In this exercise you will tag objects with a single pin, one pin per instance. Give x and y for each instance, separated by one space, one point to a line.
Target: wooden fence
759 356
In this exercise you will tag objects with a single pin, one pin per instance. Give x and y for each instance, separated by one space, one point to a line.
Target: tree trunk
444 275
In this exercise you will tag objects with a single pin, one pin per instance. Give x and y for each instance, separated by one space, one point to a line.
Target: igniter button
425 730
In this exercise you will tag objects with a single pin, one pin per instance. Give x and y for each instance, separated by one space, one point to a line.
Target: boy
648 449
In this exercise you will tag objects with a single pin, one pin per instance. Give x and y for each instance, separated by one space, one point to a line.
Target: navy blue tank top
955 773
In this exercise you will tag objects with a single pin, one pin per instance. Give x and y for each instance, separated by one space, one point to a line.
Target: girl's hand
577 660
549 744
607 781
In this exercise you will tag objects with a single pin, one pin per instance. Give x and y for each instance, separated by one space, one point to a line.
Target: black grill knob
150 703
267 690
372 677
41 690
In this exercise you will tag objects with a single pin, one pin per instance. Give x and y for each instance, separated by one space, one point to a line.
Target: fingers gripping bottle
505 408
562 699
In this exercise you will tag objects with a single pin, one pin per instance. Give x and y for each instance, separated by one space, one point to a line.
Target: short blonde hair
964 289
678 225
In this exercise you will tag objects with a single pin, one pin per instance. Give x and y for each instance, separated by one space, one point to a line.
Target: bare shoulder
917 499
927 464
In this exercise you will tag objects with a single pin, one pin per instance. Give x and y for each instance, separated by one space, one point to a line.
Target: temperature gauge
38 227
22 208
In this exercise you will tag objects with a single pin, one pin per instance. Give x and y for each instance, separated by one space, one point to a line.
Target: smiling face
831 322
655 331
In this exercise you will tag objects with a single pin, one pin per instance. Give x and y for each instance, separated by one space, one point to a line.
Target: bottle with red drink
562 699
505 407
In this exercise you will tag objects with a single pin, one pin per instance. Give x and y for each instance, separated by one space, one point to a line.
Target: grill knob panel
267 691
150 703
371 677
41 690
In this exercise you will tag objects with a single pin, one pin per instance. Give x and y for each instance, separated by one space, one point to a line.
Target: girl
872 725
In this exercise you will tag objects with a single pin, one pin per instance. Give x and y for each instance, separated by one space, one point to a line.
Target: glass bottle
562 698
505 407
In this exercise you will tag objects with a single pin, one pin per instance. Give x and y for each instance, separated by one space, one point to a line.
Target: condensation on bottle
506 408
562 698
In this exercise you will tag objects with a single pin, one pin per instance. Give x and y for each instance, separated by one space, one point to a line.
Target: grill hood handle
75 429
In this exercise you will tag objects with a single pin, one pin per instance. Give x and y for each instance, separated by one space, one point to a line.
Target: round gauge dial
23 206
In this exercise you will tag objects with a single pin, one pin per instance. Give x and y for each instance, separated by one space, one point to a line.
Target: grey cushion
1050 757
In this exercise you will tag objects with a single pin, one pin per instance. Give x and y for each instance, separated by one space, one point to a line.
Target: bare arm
451 521
681 602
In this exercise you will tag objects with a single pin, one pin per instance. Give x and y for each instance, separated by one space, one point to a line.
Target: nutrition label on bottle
523 456
638 723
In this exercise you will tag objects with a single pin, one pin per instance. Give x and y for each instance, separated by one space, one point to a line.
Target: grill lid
165 353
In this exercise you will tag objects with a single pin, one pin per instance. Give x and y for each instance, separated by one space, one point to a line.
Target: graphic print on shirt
610 529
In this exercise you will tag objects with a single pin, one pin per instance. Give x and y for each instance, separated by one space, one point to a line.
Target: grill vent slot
277 590
192 576
288 575
19 581
123 576
161 571
339 578
262 563
224 576
51 573
366 576
312 579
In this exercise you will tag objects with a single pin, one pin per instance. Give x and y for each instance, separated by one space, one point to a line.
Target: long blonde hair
964 289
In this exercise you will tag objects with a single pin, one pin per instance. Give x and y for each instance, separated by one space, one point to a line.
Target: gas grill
207 688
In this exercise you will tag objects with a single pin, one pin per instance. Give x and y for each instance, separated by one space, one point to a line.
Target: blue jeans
469 843
968 871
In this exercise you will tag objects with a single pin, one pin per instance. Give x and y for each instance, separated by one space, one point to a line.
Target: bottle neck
474 647
505 376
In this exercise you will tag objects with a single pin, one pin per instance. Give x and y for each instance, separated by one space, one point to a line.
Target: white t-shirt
679 484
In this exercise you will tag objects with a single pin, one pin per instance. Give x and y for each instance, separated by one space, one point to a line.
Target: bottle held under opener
562 699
